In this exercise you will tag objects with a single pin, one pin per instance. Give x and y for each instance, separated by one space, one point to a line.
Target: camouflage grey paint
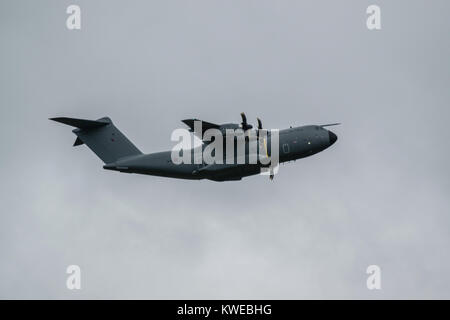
119 154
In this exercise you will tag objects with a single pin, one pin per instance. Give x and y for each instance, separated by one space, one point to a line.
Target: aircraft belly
232 173
160 165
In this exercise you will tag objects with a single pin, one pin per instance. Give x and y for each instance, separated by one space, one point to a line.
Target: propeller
259 123
244 124
260 127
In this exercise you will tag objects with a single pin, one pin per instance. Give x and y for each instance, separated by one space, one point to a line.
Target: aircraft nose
332 137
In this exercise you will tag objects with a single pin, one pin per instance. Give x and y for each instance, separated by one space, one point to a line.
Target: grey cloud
378 196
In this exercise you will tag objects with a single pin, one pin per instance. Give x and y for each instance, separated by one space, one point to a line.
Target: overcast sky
380 195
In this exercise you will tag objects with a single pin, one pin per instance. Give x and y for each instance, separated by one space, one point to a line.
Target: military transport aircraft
120 154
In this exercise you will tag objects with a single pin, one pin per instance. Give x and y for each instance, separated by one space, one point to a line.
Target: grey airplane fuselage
294 143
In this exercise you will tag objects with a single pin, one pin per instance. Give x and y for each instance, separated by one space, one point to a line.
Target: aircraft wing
205 126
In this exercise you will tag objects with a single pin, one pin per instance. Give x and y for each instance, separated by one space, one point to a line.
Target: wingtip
330 124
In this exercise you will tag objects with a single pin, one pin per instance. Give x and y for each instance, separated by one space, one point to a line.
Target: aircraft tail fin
102 137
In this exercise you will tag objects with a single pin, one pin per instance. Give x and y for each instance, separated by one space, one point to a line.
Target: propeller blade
244 119
259 123
244 123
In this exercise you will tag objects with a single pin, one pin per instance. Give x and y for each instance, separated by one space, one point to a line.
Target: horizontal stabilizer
102 137
81 123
